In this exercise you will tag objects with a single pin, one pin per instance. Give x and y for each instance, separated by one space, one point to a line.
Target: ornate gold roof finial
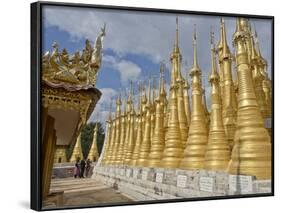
76 71
254 53
186 99
176 60
110 111
161 80
144 97
118 105
219 46
149 91
195 61
154 89
176 45
214 73
257 47
225 48
139 96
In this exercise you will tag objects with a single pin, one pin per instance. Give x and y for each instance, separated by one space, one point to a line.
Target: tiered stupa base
142 184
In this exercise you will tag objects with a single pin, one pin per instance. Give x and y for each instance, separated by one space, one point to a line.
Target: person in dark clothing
77 170
82 166
88 167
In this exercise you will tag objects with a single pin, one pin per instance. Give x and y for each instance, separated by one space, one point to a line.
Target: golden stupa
218 150
77 151
93 154
194 153
181 132
251 154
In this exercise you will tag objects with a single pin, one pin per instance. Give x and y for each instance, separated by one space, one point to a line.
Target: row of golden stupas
176 132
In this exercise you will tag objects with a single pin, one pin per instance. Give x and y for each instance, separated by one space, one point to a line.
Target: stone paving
86 191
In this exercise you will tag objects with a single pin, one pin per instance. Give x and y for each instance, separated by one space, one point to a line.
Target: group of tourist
82 168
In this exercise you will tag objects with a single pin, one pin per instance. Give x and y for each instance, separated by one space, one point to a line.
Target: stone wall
142 184
65 170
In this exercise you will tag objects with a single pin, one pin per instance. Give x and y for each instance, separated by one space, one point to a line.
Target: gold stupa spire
158 139
116 139
220 58
77 151
139 134
145 145
229 98
173 151
121 148
105 149
93 154
257 63
205 108
130 142
251 154
110 155
153 108
186 100
194 153
267 88
176 60
218 151
163 94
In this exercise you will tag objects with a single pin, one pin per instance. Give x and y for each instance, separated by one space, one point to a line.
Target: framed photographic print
139 105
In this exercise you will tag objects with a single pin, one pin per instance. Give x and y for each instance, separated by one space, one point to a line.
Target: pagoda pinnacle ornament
251 154
176 59
229 97
207 114
173 151
120 152
153 107
158 139
220 59
145 145
257 63
194 153
130 131
266 84
139 135
111 144
77 151
93 153
218 152
117 130
186 100
107 138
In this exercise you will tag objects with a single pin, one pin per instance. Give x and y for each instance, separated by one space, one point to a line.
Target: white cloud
108 94
149 34
127 69
102 108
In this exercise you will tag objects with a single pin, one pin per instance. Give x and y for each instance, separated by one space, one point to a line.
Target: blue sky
136 42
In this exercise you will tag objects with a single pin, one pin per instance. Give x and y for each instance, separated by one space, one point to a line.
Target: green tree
87 133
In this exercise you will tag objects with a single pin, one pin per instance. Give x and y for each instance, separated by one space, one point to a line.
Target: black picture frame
36 53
